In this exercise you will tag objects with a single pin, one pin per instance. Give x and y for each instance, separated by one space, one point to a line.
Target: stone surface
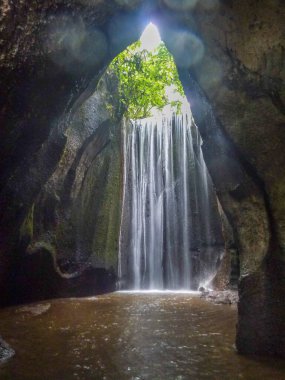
237 98
6 352
34 310
227 297
37 279
78 212
76 217
228 270
52 55
262 332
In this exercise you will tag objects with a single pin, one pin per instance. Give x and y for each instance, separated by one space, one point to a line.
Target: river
128 336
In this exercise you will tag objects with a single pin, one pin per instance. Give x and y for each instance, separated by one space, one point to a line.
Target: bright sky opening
150 38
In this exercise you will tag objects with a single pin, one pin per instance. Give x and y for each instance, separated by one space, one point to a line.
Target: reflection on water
129 336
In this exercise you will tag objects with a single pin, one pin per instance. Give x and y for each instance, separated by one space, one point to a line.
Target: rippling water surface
129 336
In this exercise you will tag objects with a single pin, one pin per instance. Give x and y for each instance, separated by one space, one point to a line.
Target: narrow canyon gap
171 233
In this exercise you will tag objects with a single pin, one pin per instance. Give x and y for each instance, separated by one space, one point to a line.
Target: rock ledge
6 352
227 297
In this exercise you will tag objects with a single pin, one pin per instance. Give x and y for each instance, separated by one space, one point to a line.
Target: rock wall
236 91
228 272
52 55
76 218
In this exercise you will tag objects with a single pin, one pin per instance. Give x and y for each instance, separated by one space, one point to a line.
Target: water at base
128 337
166 208
160 291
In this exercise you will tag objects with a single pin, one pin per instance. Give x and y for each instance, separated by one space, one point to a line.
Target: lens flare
181 5
186 47
129 4
69 42
209 4
123 30
211 74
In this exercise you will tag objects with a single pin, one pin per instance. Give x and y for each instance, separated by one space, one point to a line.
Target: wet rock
77 214
35 310
6 352
226 297
261 309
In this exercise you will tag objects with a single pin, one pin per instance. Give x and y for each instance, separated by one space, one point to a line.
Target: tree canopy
143 79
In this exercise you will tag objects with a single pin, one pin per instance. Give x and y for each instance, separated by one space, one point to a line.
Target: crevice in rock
102 130
255 84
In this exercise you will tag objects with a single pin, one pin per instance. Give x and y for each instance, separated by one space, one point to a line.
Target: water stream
128 336
169 210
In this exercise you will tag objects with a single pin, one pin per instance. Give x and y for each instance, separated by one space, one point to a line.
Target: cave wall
235 86
86 185
52 56
76 217
249 103
236 91
228 272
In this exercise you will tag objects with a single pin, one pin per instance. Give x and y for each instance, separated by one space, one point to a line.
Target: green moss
43 245
96 212
105 242
64 236
27 228
278 205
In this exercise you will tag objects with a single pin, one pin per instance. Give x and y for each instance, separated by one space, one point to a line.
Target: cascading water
167 207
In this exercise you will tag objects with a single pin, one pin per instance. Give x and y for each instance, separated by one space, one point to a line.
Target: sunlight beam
150 38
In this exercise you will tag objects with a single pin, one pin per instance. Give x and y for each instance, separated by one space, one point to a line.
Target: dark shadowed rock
6 352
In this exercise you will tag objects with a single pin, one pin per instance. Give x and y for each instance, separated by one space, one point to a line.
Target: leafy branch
143 78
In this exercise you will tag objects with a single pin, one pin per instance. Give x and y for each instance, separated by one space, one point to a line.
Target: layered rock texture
231 60
72 229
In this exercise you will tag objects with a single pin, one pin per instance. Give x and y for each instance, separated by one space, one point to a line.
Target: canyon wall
231 60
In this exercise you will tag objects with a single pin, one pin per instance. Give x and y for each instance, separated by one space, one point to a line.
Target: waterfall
167 207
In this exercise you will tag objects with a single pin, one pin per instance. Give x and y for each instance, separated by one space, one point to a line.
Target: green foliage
143 78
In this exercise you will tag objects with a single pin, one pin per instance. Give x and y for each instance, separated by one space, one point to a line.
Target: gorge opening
68 236
171 234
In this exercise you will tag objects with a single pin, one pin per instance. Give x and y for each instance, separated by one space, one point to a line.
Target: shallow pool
128 336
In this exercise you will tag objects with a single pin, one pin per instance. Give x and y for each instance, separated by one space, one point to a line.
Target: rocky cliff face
231 60
52 56
86 185
73 225
241 78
